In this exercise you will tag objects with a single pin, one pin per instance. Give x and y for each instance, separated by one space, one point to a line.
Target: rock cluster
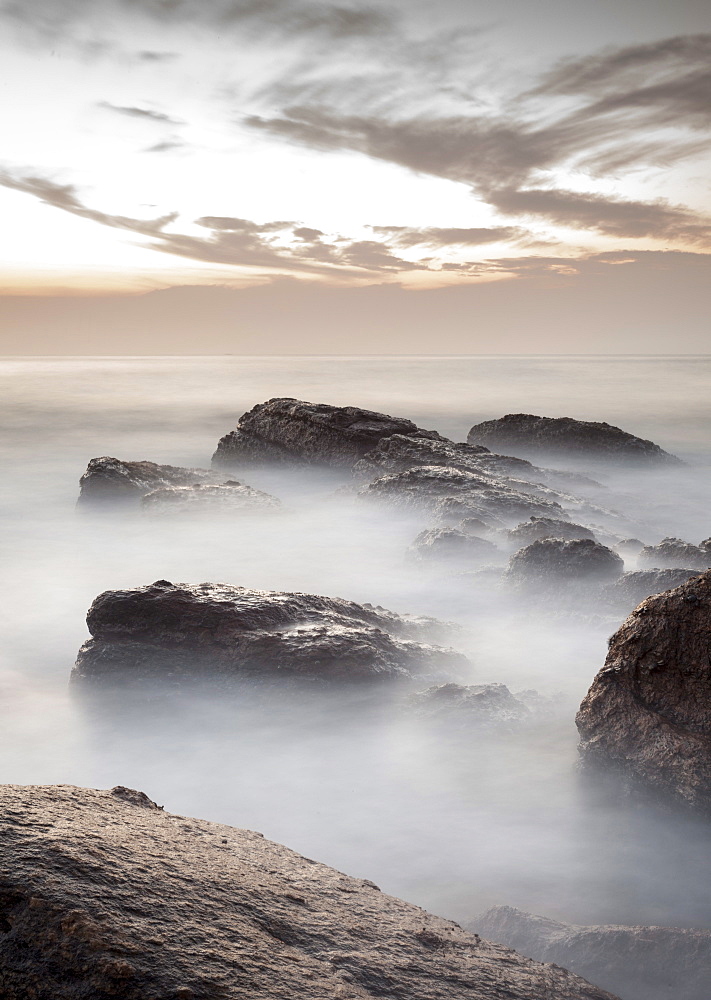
673 553
177 631
647 716
104 896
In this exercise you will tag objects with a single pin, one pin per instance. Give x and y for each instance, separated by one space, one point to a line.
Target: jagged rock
639 963
629 547
437 545
631 588
537 528
205 498
292 431
528 433
673 553
178 631
424 487
104 895
556 560
111 481
470 707
647 716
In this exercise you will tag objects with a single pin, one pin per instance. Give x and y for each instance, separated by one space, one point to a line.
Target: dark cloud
145 113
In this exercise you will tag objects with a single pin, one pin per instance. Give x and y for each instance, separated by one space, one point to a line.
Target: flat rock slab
174 632
104 896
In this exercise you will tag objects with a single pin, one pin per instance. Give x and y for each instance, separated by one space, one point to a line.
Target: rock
452 545
631 588
639 963
647 716
291 431
705 546
537 528
529 433
556 560
104 897
673 553
629 547
111 481
424 487
228 498
470 707
176 632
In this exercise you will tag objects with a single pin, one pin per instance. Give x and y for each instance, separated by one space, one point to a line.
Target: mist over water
455 823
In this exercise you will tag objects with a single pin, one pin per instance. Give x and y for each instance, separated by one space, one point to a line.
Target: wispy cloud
145 113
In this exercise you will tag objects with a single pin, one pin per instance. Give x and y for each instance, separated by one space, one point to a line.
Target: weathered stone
111 481
631 588
221 498
528 433
104 896
639 963
452 545
647 716
176 632
629 547
537 528
555 560
470 707
673 553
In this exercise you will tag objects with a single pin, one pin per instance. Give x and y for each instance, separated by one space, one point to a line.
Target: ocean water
455 826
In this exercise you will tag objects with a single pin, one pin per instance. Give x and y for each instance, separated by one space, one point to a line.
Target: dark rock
111 481
470 707
647 716
631 588
452 545
583 438
292 431
556 560
101 898
639 963
674 553
176 632
537 528
227 498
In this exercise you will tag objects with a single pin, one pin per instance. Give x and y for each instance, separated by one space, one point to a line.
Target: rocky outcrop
647 716
454 546
291 431
537 528
111 481
471 707
203 498
630 589
527 433
175 632
105 896
639 963
554 560
673 553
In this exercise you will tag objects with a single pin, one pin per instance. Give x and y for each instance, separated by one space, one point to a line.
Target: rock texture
292 431
639 963
177 631
453 545
111 481
673 553
104 896
630 589
537 528
470 707
221 498
556 560
584 438
647 716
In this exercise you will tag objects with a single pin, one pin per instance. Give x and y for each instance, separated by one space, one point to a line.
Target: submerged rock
453 545
583 438
630 589
111 481
291 431
639 963
674 553
470 707
175 632
104 894
207 498
647 716
537 528
556 560
629 547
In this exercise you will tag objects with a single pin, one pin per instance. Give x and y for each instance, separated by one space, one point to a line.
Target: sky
290 176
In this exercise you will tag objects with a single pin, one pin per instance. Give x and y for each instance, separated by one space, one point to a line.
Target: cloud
403 236
145 113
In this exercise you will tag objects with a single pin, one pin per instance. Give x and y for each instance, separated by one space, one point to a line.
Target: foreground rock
104 895
647 716
555 560
673 553
205 498
291 431
639 963
630 589
175 632
528 433
111 481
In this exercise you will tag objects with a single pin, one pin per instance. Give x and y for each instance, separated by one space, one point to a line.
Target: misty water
454 824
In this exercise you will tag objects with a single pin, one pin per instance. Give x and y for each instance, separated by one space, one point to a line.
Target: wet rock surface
674 553
639 963
109 481
556 560
105 895
227 497
527 432
630 589
647 715
537 528
293 431
179 631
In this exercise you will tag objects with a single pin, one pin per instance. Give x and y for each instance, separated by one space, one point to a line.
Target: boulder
528 433
629 547
555 560
537 528
470 707
647 716
453 545
175 632
293 432
630 589
105 896
205 498
639 963
111 481
673 553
